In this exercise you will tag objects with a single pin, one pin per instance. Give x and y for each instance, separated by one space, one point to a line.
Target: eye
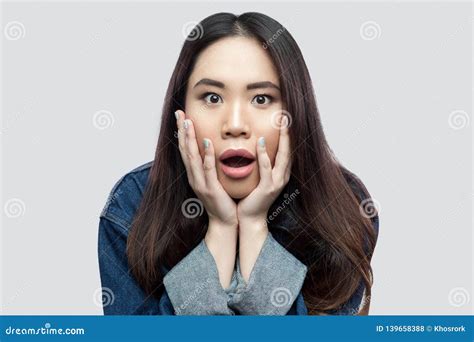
212 98
260 99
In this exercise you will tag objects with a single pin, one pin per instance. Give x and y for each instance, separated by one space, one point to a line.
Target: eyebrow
218 84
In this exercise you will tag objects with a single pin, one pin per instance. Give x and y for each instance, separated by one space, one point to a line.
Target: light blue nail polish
206 144
176 114
186 124
261 141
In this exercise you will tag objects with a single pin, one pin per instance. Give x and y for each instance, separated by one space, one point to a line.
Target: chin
239 188
238 196
237 193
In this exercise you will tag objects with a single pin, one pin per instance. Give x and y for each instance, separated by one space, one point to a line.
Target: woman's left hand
255 206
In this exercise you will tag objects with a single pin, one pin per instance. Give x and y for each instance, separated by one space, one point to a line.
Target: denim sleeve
274 283
120 294
193 285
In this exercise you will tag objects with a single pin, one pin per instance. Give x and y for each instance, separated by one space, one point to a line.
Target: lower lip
237 172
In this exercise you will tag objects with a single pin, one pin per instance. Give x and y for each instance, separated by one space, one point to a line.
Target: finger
181 140
192 151
264 163
209 164
179 123
282 160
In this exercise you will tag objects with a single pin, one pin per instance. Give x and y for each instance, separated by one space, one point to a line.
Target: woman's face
233 98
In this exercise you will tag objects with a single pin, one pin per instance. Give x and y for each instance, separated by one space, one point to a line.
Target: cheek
203 129
266 126
272 146
272 136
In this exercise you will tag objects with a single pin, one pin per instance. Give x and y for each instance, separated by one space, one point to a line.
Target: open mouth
237 161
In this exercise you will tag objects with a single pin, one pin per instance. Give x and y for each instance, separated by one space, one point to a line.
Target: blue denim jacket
122 295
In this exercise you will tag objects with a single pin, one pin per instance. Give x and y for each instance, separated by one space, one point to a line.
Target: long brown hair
329 233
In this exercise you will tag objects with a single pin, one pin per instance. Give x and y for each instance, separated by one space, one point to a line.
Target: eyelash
203 97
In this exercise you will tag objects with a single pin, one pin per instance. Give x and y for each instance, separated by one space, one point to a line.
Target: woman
244 210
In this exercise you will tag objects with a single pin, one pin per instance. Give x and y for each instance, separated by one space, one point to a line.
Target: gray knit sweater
194 288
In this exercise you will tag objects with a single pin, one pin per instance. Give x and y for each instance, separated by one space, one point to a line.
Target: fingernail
176 114
261 141
186 124
206 143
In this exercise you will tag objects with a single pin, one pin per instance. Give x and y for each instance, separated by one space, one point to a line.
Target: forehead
235 61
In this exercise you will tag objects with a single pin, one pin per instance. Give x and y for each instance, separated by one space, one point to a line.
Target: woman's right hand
202 175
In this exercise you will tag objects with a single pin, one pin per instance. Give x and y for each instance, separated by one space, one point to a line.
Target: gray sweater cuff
274 283
193 285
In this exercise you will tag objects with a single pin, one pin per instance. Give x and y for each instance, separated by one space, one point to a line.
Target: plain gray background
82 91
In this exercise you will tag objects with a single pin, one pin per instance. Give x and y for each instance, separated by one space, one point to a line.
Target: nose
235 123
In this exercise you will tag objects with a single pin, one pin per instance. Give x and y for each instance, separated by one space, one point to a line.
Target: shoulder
363 196
125 196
